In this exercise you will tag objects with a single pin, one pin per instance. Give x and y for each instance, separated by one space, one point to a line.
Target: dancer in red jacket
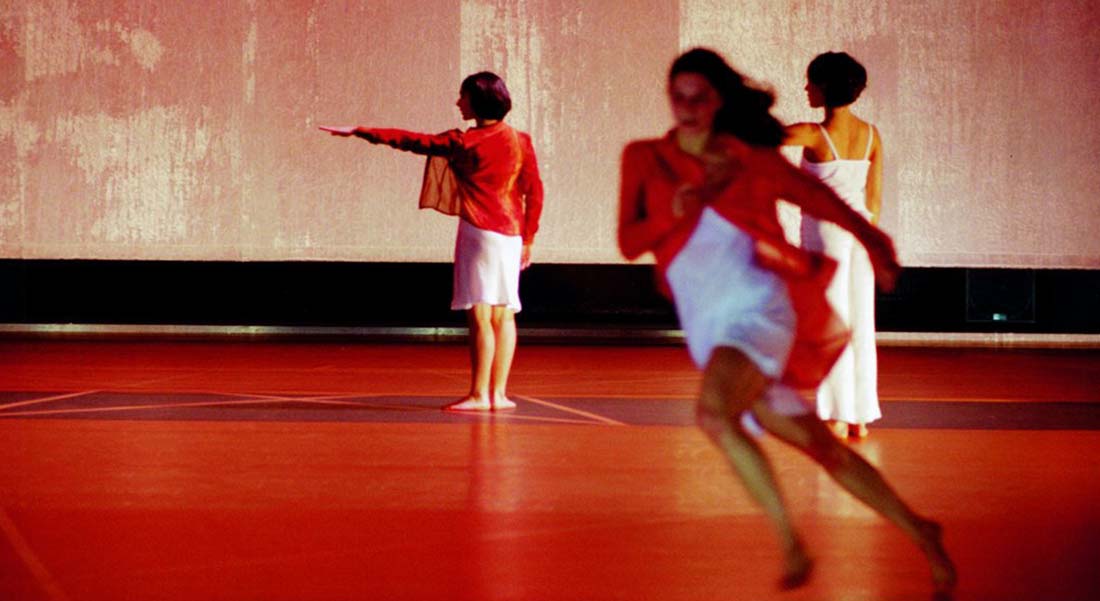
702 199
487 176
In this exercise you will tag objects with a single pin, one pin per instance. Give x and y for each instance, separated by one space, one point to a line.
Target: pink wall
161 129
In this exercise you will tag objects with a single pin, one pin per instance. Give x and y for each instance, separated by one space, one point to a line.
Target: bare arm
874 178
800 134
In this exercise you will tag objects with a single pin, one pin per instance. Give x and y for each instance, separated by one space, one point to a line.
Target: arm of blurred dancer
874 179
800 134
817 199
639 231
443 144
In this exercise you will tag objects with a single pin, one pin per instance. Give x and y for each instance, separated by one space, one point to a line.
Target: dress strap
870 140
824 132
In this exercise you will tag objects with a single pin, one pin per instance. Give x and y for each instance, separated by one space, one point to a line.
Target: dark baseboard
395 295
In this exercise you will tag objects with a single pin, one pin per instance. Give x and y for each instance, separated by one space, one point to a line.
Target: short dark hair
488 95
840 77
746 109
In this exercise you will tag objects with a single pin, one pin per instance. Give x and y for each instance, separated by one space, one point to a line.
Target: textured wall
161 129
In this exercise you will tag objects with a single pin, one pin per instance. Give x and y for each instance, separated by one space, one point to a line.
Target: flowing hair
745 111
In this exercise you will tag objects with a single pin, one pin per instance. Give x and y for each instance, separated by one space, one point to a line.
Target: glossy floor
297 471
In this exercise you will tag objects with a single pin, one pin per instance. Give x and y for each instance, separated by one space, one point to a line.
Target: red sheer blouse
496 173
742 183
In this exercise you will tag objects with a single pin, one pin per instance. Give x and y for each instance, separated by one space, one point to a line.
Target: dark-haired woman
488 176
845 152
702 199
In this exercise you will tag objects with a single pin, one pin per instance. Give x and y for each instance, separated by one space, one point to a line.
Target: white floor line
33 563
57 397
599 418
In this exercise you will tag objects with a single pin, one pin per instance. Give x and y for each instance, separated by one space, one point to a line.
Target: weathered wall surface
161 129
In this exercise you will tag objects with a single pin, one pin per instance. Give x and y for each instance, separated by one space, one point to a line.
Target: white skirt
724 299
486 268
850 392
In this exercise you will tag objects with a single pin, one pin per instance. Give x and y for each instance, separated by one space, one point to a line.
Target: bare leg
861 431
840 429
504 331
482 347
810 435
731 384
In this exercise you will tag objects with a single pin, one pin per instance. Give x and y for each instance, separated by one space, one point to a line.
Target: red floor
562 505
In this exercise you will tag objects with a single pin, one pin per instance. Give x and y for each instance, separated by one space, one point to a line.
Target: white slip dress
850 392
724 299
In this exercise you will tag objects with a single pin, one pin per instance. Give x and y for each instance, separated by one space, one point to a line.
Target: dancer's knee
709 415
502 316
732 381
715 417
480 317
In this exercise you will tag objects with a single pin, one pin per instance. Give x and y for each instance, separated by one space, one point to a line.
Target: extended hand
685 200
339 130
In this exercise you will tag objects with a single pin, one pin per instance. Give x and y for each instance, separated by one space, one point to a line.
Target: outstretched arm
817 199
443 144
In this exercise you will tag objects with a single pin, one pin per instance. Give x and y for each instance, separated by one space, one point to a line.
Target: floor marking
134 407
439 408
33 563
57 397
599 418
260 399
515 416
618 396
310 398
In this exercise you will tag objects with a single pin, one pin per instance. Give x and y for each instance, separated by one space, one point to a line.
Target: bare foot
502 403
861 431
944 577
797 569
470 403
840 429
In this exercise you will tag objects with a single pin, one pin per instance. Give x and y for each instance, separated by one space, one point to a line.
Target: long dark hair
745 111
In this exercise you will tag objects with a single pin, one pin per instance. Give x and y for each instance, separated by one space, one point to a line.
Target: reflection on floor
264 471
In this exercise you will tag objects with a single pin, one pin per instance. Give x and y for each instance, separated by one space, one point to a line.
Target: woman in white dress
844 152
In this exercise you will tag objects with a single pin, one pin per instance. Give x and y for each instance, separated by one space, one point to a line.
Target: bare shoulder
801 134
876 138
